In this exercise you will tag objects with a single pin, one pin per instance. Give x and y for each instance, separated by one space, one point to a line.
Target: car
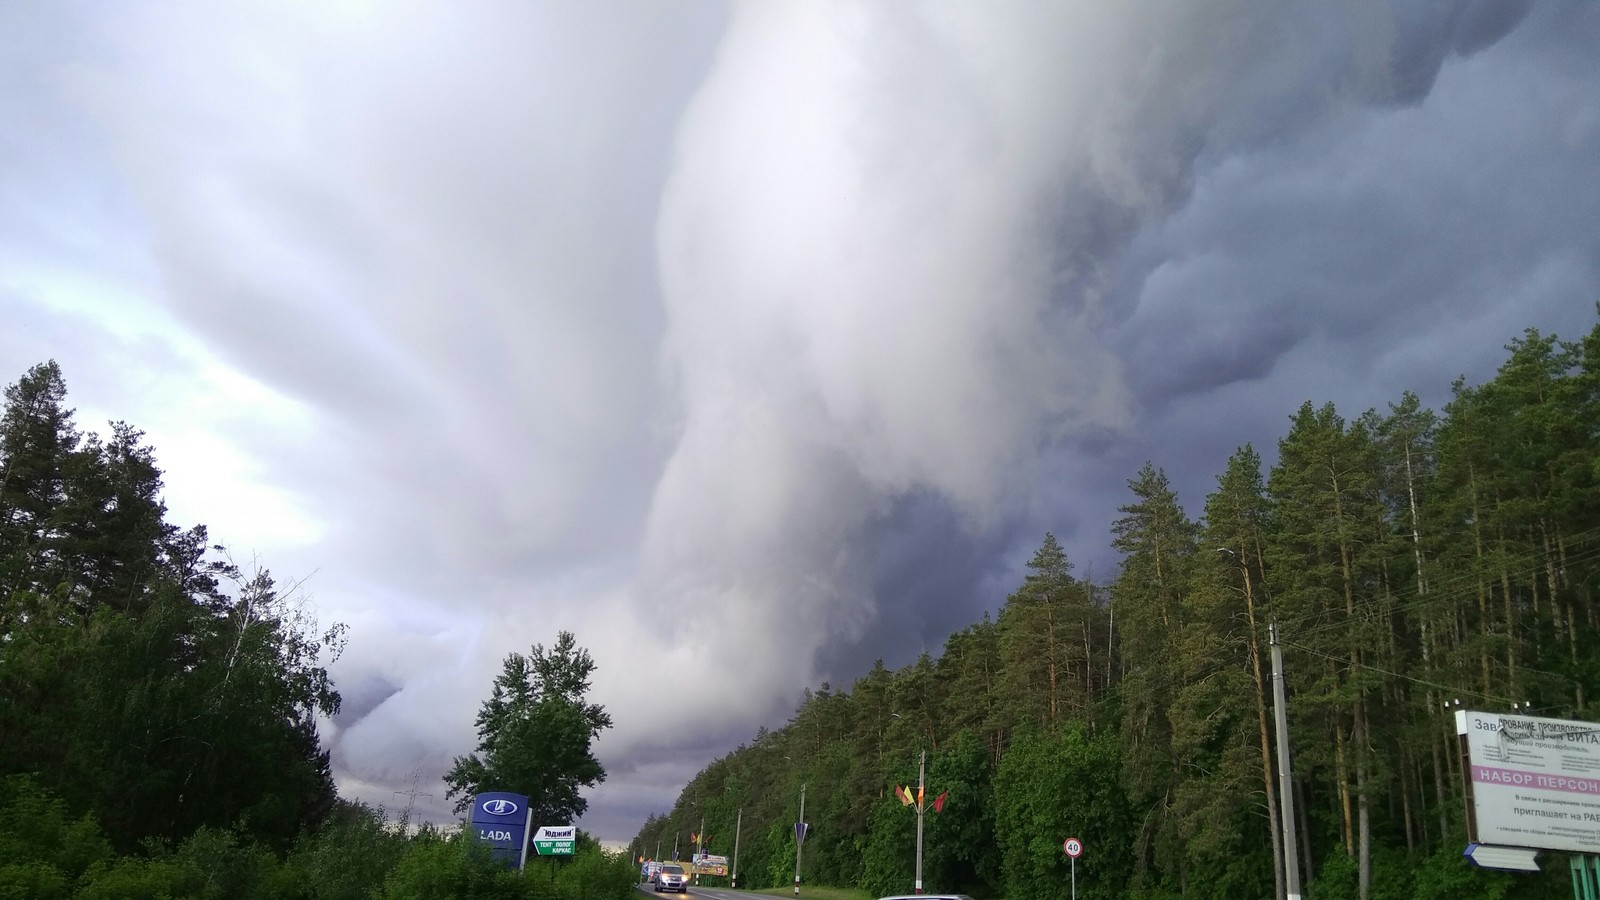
672 878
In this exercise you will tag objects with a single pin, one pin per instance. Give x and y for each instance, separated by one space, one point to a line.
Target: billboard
706 864
555 840
500 819
1534 782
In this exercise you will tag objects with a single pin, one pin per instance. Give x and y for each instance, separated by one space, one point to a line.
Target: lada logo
499 807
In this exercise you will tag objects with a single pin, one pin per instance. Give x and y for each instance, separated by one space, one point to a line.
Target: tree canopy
159 701
1408 558
535 734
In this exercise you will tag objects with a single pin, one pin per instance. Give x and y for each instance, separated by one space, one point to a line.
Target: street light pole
799 838
1291 866
922 769
700 849
737 824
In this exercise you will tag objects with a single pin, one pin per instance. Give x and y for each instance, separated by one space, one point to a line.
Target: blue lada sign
500 820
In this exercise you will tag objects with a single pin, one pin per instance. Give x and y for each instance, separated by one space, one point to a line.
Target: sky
751 342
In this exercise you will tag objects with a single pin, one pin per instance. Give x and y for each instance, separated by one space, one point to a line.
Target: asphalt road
709 893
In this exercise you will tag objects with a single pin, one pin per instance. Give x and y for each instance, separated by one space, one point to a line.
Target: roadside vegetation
1410 558
159 700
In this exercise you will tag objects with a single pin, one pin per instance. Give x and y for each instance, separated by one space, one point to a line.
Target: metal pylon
412 794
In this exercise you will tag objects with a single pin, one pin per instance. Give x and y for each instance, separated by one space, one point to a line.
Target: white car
672 878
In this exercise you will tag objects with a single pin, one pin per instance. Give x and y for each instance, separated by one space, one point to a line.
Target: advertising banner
707 864
555 840
1535 782
500 820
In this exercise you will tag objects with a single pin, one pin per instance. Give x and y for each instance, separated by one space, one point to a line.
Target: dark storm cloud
1341 236
1365 241
933 575
756 343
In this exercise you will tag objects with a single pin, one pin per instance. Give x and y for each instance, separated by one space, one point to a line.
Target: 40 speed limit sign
1074 848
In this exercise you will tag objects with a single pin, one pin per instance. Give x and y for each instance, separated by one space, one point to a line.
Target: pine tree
1235 527
1042 627
37 447
1326 563
969 674
1157 541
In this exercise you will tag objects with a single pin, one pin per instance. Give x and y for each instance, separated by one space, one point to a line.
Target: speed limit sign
1073 846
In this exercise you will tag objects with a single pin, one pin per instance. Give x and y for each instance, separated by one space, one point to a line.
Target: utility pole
922 770
1291 850
737 824
799 838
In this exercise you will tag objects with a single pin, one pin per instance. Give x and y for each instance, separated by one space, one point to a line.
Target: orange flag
919 795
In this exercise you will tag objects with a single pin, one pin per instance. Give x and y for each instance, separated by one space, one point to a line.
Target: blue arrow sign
1508 859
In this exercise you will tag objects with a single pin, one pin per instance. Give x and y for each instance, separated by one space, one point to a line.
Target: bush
435 868
32 880
349 857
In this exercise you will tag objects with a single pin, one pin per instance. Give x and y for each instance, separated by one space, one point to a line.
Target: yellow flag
904 794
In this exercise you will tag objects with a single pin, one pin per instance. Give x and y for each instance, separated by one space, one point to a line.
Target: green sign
555 840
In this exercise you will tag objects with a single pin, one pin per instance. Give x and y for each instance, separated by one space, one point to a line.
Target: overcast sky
751 342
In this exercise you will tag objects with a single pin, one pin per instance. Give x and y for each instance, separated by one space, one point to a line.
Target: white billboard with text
1535 782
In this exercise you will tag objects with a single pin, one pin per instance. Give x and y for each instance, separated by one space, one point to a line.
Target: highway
710 893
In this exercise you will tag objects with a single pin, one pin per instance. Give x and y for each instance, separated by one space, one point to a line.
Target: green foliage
161 690
350 856
32 880
960 840
158 700
1407 558
459 867
1046 629
1053 786
39 836
535 734
589 875
136 878
888 861
1446 875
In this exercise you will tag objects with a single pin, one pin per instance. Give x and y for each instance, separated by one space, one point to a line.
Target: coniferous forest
1411 559
159 703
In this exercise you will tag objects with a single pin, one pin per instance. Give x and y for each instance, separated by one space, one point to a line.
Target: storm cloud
751 342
